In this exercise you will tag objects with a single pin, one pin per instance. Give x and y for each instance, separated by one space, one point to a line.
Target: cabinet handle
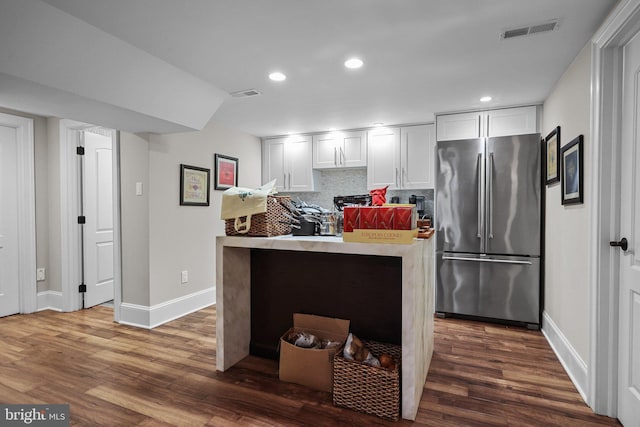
479 124
342 156
396 177
289 180
402 176
284 181
486 131
335 156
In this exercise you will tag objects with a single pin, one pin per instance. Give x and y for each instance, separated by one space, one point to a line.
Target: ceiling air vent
245 93
530 29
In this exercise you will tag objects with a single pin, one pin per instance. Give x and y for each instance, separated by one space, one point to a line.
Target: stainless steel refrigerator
488 228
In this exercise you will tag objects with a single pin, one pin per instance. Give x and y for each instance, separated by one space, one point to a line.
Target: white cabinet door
354 149
511 121
459 126
340 150
383 158
502 122
325 151
299 159
273 162
417 161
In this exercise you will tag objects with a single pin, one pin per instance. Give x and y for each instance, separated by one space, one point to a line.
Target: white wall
183 237
134 218
567 253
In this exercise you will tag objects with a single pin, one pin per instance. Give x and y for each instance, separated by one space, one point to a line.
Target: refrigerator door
460 186
513 184
506 288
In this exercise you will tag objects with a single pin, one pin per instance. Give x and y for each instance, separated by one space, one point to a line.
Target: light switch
40 274
138 189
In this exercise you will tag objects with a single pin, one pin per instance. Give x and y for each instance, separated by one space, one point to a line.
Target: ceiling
420 56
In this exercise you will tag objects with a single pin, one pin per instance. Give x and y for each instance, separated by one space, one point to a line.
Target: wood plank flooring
116 375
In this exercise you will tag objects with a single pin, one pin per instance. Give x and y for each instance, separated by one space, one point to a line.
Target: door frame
26 209
604 210
69 208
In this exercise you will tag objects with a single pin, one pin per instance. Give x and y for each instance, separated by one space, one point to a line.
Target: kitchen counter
416 303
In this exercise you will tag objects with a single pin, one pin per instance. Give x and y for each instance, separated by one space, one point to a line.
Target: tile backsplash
347 182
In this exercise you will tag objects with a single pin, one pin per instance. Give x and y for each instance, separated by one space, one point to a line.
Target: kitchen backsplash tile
346 182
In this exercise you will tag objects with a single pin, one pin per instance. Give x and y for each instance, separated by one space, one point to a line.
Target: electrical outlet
185 277
40 274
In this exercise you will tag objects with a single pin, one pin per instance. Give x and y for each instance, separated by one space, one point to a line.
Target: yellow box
403 237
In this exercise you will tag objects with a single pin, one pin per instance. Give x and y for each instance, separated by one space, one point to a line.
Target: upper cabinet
340 150
502 122
288 160
401 158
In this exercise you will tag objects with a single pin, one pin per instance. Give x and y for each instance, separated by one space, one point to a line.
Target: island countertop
233 298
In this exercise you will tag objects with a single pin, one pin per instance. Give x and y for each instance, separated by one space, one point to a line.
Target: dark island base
367 290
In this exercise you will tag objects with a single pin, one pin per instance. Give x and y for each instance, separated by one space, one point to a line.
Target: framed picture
194 185
226 172
552 149
572 171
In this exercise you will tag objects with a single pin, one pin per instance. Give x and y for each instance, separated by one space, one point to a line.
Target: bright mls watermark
34 415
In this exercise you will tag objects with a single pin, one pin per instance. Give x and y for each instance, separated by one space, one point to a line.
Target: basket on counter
365 388
271 223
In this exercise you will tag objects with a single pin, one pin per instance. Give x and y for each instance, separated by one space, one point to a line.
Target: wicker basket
268 224
367 388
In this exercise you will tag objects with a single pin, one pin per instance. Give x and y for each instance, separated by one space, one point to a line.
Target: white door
299 159
9 266
629 302
98 210
353 150
418 152
383 158
325 151
273 163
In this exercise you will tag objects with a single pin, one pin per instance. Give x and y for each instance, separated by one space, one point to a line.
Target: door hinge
80 151
82 219
82 288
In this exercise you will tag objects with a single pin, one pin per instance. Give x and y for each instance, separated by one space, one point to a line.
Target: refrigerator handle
492 260
490 196
479 175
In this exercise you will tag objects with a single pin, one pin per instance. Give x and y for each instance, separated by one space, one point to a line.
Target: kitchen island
415 295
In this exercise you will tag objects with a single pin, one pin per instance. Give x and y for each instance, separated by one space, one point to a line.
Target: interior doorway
92 258
17 216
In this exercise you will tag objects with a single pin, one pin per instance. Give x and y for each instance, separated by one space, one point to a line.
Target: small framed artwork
226 172
572 174
552 142
194 186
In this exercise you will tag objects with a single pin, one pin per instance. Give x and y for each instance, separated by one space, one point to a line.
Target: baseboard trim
49 300
150 317
571 361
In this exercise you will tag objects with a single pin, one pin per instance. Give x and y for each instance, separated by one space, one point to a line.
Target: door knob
622 243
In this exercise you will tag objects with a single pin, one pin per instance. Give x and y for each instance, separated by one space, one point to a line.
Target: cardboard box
311 367
385 218
368 217
351 218
403 237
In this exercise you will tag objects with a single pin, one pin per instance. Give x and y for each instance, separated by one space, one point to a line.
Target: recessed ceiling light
378 124
277 76
332 129
485 99
353 63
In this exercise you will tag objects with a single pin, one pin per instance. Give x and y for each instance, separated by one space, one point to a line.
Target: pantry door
629 295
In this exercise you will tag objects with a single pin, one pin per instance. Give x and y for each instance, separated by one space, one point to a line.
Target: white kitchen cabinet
501 122
417 151
288 160
340 150
402 158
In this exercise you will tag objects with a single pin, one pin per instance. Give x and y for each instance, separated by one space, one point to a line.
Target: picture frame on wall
552 150
226 172
572 176
194 185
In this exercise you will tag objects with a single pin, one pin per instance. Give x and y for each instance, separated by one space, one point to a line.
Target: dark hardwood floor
116 375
